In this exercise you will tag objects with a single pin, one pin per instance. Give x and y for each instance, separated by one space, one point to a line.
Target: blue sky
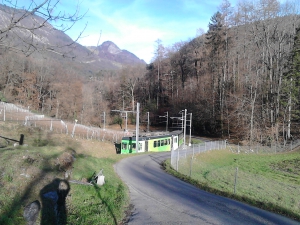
135 25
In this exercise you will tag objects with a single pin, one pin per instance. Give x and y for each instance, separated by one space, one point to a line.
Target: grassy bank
29 172
271 182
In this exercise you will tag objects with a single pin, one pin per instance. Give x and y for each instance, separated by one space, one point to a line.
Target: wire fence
265 149
180 155
23 116
183 154
243 179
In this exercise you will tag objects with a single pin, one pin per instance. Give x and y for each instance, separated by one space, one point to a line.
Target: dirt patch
128 213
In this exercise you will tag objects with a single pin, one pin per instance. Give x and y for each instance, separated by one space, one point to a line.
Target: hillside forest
240 79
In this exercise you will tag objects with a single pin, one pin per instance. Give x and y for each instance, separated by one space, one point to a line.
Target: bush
118 120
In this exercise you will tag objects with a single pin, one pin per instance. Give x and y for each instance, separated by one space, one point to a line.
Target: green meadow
270 181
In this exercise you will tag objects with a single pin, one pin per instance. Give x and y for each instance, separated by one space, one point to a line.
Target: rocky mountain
110 51
28 34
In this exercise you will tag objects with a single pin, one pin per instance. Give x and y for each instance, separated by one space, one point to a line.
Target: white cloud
135 28
139 41
134 36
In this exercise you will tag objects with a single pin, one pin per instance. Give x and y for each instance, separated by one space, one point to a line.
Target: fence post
21 142
235 179
193 150
192 161
177 159
191 165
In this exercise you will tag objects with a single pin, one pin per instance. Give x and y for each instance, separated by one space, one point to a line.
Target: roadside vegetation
271 181
30 171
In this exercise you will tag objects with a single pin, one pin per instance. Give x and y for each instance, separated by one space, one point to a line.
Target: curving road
159 198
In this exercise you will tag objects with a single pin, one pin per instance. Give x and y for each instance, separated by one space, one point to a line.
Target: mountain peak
109 50
106 56
110 47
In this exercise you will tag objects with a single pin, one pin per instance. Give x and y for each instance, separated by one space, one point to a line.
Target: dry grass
99 149
30 170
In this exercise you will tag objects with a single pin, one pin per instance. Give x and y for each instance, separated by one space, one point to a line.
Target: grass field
268 181
29 172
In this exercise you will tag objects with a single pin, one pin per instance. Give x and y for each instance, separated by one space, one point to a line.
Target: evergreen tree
215 46
292 87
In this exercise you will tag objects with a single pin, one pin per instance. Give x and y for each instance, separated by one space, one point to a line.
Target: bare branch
22 26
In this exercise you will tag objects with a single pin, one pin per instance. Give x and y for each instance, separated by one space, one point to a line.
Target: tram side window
158 143
162 143
169 142
133 146
166 141
155 144
124 146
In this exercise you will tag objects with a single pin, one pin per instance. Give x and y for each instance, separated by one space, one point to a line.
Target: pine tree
292 87
215 46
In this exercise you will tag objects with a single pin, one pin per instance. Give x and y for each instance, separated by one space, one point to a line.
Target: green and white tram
160 143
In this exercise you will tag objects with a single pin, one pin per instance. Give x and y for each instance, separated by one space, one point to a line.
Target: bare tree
22 26
129 78
159 53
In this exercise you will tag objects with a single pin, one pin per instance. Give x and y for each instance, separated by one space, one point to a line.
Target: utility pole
123 100
190 141
148 121
184 127
182 119
183 124
104 120
126 118
137 125
51 126
167 118
73 131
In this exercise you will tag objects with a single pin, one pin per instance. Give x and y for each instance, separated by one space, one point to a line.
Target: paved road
160 198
